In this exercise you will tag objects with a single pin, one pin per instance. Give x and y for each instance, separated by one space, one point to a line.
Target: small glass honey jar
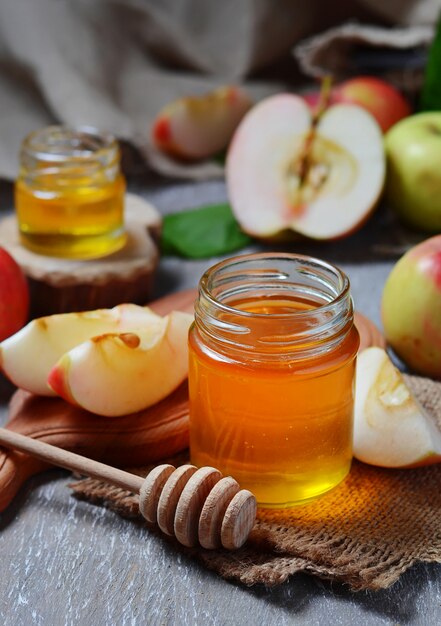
272 365
69 195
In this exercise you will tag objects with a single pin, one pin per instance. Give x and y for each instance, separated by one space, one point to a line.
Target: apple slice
27 357
325 194
391 429
200 126
116 374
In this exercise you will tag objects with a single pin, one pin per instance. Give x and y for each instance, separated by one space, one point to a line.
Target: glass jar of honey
69 195
272 364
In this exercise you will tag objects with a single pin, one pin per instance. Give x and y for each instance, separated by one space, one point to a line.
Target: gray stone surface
67 562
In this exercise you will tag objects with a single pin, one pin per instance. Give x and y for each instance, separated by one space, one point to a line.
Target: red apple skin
312 99
377 96
411 308
14 296
56 380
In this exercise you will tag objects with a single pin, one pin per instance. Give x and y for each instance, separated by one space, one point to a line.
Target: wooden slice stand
64 285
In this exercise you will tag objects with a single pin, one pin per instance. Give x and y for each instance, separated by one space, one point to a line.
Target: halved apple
319 180
391 428
27 357
199 126
116 374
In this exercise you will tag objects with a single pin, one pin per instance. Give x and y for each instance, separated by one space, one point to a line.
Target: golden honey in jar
272 364
69 195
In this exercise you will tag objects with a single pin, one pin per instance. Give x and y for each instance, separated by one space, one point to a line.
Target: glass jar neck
64 155
274 306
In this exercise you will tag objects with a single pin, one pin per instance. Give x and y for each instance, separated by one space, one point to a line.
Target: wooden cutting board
138 439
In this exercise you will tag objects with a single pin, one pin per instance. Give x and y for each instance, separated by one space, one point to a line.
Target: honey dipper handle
69 460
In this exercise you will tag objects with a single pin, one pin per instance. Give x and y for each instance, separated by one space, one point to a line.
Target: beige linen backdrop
115 63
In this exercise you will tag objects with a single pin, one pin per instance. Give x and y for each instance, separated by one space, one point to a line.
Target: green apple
413 182
411 307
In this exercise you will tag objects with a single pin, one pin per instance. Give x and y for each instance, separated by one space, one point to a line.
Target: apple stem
324 98
304 162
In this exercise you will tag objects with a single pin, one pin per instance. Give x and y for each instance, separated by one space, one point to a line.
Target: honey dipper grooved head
198 506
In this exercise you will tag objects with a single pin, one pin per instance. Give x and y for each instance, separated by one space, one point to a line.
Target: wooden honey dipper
197 506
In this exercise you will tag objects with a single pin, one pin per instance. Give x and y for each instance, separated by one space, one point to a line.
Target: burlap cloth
114 64
365 533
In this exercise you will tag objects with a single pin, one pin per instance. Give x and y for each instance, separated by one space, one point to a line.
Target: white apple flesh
391 429
343 181
27 357
117 374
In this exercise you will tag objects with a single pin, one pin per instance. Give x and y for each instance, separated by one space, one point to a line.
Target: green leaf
201 233
431 94
220 157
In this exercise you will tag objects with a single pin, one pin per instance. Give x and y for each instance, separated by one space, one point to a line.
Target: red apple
377 96
14 296
283 172
411 307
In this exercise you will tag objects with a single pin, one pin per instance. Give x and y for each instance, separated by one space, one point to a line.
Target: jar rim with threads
69 194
